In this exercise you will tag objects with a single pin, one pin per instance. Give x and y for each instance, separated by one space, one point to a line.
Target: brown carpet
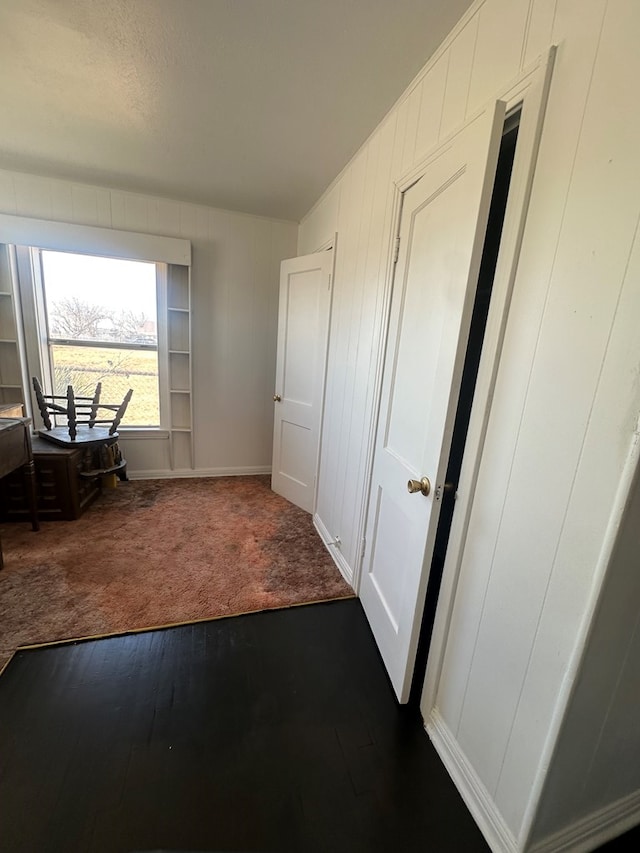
156 552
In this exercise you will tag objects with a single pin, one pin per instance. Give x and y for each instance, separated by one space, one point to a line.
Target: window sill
143 432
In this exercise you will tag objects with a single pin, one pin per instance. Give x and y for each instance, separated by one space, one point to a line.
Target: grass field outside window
102 326
118 370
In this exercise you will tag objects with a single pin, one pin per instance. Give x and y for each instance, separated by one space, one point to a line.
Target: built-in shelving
180 367
11 380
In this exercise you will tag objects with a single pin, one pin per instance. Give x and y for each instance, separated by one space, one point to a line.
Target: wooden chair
82 426
78 411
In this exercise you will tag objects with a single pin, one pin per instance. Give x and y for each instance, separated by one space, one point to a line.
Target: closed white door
303 328
442 230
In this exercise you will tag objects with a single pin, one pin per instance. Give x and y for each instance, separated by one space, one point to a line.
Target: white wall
235 281
595 768
466 71
567 397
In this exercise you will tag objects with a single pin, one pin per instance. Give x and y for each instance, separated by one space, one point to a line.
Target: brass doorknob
277 398
422 485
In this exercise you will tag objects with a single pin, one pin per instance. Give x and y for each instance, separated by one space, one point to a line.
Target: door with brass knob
441 232
303 328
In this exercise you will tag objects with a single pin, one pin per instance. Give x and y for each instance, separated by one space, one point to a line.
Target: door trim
330 245
281 483
530 90
532 93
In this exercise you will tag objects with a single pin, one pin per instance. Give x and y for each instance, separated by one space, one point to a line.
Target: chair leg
41 403
71 413
95 405
120 412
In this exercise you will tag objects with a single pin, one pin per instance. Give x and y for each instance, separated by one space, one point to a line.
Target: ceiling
251 105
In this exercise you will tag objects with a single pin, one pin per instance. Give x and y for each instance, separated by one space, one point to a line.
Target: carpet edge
164 626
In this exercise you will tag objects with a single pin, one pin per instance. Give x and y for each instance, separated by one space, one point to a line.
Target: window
101 322
81 304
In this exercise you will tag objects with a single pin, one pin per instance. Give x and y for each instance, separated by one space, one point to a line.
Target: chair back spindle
79 412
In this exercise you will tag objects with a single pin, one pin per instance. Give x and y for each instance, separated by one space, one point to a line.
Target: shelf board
181 310
180 429
13 387
179 391
8 341
179 352
5 293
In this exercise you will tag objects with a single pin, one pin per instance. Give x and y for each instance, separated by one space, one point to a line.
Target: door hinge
396 250
364 548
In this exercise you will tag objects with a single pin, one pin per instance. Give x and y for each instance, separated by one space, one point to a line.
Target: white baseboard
477 798
338 558
596 829
168 474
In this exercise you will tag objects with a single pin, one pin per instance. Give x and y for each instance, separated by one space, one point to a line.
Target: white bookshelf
11 378
180 367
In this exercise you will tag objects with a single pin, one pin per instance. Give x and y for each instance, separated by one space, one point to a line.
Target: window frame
46 340
170 254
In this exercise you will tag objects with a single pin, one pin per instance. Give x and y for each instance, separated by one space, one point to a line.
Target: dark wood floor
271 732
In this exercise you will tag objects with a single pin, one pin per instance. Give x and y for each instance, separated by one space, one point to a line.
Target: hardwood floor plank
276 731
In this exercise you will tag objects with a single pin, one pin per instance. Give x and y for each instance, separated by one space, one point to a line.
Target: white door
442 229
303 328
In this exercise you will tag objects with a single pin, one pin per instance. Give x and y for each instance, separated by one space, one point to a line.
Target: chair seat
85 436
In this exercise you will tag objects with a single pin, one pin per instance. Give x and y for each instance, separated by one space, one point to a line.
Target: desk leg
30 471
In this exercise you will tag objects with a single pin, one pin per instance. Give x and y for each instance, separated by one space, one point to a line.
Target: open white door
442 228
303 328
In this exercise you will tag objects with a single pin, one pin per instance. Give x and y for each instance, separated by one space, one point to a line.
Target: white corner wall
567 397
234 290
595 769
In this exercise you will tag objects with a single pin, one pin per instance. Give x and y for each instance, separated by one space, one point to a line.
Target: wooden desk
63 490
15 452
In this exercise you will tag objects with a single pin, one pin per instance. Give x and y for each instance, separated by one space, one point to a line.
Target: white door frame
331 244
530 90
302 494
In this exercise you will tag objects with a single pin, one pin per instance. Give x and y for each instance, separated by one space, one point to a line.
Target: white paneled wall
566 401
595 770
234 291
452 86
